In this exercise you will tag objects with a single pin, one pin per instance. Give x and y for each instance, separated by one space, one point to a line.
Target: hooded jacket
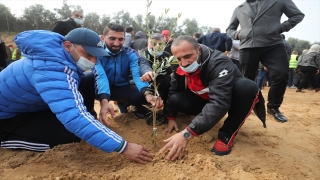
140 42
48 78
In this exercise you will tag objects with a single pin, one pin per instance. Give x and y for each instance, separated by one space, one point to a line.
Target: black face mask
248 1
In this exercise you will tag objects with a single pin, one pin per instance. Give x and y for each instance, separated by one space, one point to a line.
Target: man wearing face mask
208 85
65 26
155 49
43 103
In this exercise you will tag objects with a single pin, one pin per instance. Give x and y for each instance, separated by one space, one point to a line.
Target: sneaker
142 112
220 148
293 87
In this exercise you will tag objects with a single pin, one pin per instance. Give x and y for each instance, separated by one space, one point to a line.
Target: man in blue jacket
112 73
41 105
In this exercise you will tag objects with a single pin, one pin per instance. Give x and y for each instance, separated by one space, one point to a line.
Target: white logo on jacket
223 73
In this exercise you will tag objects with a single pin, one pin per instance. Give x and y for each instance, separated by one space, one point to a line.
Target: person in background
65 26
261 41
167 35
217 41
128 36
46 108
196 35
163 79
309 65
293 77
140 41
208 85
3 55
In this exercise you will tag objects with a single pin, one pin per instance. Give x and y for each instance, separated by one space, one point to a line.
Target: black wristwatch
186 134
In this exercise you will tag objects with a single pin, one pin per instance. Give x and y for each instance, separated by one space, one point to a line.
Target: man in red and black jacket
208 85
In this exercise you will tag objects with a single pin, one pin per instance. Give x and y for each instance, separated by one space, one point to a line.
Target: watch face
186 135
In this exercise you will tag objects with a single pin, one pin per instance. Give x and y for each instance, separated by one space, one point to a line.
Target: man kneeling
208 85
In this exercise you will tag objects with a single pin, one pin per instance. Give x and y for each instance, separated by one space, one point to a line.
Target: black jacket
213 74
65 26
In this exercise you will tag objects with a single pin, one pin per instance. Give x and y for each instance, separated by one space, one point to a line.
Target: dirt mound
281 151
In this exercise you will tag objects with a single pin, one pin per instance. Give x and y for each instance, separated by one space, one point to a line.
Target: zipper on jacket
115 69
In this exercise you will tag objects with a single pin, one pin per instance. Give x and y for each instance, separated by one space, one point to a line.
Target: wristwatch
186 134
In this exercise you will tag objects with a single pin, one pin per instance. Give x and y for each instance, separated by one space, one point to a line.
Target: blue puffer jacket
48 78
114 70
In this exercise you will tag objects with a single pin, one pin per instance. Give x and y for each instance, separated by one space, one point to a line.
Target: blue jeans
262 77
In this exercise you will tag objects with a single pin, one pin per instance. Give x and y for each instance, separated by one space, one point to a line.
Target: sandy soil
281 151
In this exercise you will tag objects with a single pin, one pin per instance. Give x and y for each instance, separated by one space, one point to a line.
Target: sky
214 13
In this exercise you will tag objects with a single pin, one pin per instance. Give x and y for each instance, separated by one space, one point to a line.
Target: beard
114 49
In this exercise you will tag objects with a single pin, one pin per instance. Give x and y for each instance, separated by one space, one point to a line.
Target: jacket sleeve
199 40
318 60
135 70
233 25
101 80
228 41
144 65
293 13
172 90
220 72
59 91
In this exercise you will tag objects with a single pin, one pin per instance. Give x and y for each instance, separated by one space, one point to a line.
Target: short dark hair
187 38
197 34
129 29
113 27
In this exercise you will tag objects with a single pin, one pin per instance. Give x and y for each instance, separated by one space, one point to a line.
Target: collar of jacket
110 53
246 8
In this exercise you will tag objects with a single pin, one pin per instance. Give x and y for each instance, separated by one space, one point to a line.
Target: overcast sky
214 13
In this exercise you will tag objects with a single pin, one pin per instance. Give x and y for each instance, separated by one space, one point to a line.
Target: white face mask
191 68
78 21
83 63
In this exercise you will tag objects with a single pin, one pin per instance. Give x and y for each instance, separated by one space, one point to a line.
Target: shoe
299 90
277 115
220 148
161 119
142 112
288 87
293 87
316 89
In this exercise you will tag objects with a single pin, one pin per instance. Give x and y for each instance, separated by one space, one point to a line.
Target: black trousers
308 73
39 131
244 96
275 59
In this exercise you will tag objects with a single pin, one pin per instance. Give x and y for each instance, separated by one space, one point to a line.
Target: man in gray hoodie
260 40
